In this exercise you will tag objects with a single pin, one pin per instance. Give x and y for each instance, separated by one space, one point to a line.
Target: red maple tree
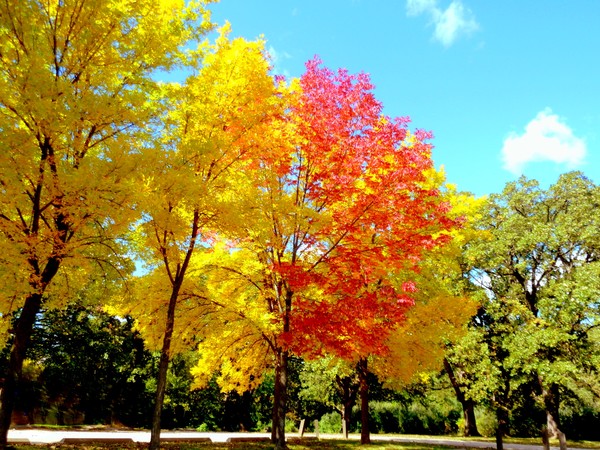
336 203
364 177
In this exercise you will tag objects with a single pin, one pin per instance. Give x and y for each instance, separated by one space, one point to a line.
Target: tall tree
211 124
539 266
328 213
75 84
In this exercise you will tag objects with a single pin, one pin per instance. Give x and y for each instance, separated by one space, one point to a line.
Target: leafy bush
581 423
486 422
330 423
429 416
385 417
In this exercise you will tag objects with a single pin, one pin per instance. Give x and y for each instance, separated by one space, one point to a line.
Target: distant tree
92 363
332 382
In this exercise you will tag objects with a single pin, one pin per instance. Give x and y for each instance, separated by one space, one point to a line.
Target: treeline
88 367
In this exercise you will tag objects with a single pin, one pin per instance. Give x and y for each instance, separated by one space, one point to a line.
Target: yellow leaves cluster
193 176
236 330
75 84
417 346
240 357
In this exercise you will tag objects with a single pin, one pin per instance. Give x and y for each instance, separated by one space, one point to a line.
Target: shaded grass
325 444
328 444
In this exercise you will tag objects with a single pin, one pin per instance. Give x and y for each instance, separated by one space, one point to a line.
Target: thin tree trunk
275 413
280 401
22 335
468 405
281 376
363 371
346 412
165 353
348 391
163 367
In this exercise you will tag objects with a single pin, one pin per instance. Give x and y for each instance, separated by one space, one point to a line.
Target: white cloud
546 138
417 7
449 23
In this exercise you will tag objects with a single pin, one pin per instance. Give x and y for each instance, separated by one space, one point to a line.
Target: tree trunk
468 405
551 397
23 329
22 335
165 353
163 367
502 417
470 421
348 392
346 413
280 401
363 371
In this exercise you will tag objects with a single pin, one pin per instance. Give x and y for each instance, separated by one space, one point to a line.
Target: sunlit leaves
75 89
538 263
337 200
211 126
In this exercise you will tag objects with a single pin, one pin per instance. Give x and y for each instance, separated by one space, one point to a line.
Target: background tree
328 213
332 382
75 84
539 268
90 364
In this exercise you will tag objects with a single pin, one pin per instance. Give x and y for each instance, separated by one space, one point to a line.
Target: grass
307 445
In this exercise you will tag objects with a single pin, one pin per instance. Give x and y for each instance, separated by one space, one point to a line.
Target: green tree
539 265
92 363
333 382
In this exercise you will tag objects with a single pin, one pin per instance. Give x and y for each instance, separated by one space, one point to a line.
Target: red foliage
365 175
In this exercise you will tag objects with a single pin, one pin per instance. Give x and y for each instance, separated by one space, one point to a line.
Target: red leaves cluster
364 176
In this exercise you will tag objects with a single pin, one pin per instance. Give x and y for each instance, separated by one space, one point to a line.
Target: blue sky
507 87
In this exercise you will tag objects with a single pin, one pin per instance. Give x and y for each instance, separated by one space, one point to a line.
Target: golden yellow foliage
237 332
76 94
192 189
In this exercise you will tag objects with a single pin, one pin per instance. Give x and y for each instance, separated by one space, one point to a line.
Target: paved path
41 436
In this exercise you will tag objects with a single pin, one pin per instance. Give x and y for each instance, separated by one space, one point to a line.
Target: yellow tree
75 100
212 123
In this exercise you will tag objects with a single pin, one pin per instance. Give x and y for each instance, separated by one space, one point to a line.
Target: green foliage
538 261
89 363
330 423
486 422
435 413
